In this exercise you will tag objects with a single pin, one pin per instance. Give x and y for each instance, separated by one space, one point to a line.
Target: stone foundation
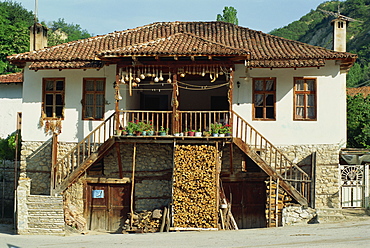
327 171
296 215
7 178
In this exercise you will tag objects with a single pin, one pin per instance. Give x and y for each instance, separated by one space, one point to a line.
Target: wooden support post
119 160
54 159
230 98
270 202
277 204
117 100
175 106
312 202
132 186
217 178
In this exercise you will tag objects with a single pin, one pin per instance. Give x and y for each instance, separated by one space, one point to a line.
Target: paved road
354 233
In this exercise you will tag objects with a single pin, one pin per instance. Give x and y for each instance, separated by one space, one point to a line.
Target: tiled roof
365 91
11 78
188 38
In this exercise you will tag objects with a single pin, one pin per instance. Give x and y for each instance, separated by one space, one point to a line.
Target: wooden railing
158 119
201 120
186 120
73 160
271 155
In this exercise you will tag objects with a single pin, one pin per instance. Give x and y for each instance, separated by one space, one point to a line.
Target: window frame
264 92
54 92
94 92
304 92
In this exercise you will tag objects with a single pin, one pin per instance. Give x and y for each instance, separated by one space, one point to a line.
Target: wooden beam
132 186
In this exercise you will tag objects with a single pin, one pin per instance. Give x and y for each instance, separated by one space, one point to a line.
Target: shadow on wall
37 165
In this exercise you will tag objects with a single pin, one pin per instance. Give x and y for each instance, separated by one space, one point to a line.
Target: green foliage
7 147
315 29
60 32
229 15
358 121
14 32
15 21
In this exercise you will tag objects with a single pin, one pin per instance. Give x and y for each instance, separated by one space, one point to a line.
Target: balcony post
230 98
175 105
117 98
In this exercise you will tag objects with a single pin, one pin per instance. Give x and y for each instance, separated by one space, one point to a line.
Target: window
304 99
264 97
93 99
53 97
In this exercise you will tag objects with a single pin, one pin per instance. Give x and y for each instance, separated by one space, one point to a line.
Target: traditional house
284 102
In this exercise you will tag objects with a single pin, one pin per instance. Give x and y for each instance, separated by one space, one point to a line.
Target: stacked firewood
277 198
145 221
194 188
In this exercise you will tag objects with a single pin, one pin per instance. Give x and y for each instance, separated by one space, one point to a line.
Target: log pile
194 187
144 222
277 198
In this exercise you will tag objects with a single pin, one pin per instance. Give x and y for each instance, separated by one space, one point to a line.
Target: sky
106 16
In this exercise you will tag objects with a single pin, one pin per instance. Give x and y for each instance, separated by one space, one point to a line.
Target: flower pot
191 133
198 134
228 134
215 135
118 132
162 133
176 134
144 133
221 135
130 133
138 133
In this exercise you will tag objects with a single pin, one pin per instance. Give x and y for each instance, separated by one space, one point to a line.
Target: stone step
46 225
44 231
44 199
330 215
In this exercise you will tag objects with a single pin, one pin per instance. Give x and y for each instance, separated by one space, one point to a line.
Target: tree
14 33
229 15
358 121
60 32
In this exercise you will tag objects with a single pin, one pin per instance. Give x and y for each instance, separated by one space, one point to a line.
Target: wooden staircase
271 160
92 148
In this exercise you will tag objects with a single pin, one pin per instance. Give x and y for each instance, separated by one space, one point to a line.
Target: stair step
44 231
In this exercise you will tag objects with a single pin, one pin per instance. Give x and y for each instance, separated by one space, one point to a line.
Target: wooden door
248 203
107 206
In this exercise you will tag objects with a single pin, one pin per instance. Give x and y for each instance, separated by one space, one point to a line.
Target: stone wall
7 188
153 173
36 163
327 171
295 215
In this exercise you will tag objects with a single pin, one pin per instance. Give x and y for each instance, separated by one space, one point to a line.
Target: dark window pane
49 111
299 84
59 111
311 85
311 112
270 113
258 85
60 85
59 99
269 100
270 85
258 113
49 99
100 85
89 85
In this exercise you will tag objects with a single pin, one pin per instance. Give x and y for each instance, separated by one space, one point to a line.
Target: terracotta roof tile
215 38
12 78
365 91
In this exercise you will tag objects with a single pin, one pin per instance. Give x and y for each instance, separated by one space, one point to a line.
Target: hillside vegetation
315 28
15 21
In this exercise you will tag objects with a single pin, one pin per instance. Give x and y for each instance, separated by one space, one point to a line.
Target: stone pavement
353 232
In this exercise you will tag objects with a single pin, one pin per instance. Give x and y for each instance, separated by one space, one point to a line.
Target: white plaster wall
330 127
10 104
73 127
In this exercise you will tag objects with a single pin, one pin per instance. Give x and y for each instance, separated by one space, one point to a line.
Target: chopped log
195 187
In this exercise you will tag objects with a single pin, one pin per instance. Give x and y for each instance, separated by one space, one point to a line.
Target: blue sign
98 193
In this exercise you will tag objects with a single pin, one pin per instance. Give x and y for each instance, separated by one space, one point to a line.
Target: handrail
81 152
271 155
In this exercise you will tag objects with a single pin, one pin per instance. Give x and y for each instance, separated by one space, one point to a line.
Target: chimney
340 27
38 36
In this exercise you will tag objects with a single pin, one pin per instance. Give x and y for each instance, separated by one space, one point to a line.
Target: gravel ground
354 233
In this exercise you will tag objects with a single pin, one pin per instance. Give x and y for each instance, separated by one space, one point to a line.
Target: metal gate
353 185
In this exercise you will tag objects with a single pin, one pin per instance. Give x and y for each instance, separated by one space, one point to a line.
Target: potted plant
163 131
198 133
191 133
131 128
149 128
215 129
225 129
